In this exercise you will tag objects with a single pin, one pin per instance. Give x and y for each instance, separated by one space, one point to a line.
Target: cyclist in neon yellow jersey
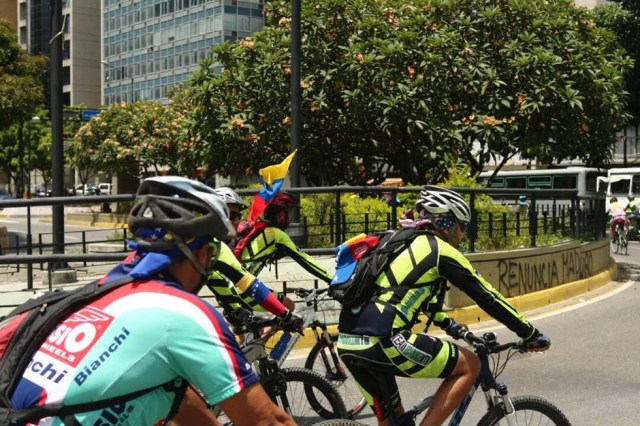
272 243
238 290
378 332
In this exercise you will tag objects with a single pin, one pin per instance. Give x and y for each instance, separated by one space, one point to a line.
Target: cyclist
234 203
376 336
238 290
153 336
271 243
617 216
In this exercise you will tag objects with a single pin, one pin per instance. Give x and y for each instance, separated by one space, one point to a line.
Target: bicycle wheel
530 410
615 242
624 241
340 422
328 364
307 397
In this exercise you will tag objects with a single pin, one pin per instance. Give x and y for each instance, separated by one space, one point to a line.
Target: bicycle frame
486 380
310 321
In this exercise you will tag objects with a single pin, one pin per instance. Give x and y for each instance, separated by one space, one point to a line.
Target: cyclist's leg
421 356
357 353
454 388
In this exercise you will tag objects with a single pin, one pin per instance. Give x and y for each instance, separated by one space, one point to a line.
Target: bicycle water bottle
280 347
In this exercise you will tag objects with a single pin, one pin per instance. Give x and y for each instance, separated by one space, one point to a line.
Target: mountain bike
323 356
304 394
501 409
620 238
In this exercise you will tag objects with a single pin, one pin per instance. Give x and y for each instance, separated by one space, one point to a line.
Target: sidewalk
40 211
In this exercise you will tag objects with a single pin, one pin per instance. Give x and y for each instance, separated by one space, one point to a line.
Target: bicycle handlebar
307 294
488 343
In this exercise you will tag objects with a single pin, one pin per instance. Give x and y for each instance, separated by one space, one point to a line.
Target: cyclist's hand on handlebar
538 342
292 322
456 329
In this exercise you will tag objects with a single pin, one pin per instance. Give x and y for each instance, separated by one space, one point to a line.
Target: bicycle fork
500 396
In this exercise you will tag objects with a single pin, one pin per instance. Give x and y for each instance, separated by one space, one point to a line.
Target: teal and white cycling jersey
139 336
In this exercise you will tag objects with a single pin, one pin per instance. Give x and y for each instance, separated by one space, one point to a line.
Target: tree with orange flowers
405 88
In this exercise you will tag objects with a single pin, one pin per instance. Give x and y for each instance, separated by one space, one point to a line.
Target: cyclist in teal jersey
153 338
272 243
377 335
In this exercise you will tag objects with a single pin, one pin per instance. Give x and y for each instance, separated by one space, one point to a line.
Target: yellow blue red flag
271 178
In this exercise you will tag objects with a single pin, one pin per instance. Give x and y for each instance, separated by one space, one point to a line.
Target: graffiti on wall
520 276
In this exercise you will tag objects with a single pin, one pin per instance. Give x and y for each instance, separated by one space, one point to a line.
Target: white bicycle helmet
436 200
230 196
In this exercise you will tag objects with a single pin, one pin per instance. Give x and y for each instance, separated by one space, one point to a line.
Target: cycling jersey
139 336
413 279
234 287
273 244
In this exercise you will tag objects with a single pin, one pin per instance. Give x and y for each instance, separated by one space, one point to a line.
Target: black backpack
24 330
354 285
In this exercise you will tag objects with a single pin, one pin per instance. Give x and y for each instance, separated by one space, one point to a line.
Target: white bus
582 179
620 183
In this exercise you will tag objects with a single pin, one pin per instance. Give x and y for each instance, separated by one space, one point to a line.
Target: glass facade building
149 46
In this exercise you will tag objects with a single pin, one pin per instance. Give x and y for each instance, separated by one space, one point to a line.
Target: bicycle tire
624 241
340 422
529 410
321 361
309 398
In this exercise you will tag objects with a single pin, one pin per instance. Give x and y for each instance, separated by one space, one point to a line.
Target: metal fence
549 212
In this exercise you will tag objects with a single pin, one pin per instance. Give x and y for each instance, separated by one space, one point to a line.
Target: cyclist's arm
249 286
193 411
285 246
458 270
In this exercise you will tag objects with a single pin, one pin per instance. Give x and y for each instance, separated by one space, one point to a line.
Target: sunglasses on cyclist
214 245
235 215
463 226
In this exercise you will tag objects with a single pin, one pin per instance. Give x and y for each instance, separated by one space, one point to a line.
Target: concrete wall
523 271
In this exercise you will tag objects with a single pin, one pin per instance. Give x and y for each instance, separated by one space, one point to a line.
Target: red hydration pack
246 232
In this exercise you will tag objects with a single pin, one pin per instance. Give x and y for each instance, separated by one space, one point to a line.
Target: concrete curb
473 314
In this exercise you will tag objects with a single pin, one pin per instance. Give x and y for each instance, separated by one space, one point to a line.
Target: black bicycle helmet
183 207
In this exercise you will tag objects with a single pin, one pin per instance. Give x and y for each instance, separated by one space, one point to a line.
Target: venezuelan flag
271 178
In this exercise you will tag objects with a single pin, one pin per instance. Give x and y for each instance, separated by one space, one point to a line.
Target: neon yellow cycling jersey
411 282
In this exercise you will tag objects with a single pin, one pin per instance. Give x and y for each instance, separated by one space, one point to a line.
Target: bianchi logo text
90 367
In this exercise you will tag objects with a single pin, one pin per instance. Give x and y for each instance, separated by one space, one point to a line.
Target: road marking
8 221
580 302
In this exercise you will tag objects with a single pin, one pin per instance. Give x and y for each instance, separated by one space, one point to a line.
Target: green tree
133 139
623 18
20 85
411 87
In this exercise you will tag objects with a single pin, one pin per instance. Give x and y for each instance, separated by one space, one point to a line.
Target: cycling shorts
404 354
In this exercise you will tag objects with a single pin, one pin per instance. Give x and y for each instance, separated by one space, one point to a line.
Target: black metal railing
550 212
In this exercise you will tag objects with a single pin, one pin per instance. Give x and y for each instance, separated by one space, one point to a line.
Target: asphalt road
41 231
591 372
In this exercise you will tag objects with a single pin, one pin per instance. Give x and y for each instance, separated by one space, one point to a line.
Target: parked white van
104 188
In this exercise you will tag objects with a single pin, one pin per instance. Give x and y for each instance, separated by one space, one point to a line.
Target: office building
150 46
81 47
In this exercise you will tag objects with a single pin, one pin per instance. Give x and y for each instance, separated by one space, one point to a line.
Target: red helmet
283 199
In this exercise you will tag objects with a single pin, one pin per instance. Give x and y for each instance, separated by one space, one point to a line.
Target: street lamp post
123 75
